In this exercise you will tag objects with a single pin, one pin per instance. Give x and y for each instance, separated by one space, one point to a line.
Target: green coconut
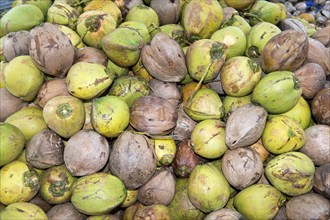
22 78
144 14
278 92
23 210
208 189
12 142
123 51
16 19
63 14
98 193
259 201
292 173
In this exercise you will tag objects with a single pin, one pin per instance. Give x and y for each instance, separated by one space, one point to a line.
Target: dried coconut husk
311 78
318 53
9 104
245 126
322 35
164 59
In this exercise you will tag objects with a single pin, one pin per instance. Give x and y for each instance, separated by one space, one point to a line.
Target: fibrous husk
160 189
245 126
318 53
50 89
51 49
165 90
80 163
184 125
318 207
153 115
322 35
16 44
311 78
168 11
9 104
317 144
164 59
133 159
65 211
322 180
45 150
292 24
90 55
285 51
321 106
242 167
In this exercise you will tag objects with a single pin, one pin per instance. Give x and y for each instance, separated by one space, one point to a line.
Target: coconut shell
292 24
242 167
318 53
9 104
51 50
311 78
50 89
65 211
164 59
16 44
153 115
45 150
285 51
160 189
133 159
245 126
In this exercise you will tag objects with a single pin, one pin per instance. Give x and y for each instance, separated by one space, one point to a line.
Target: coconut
65 211
174 31
242 167
317 146
224 213
259 201
43 5
184 125
292 24
203 188
90 55
181 207
9 104
266 11
109 7
286 51
11 144
86 196
140 27
77 161
320 106
168 11
239 5
50 89
72 35
63 14
165 90
318 207
164 59
137 167
153 212
185 159
45 150
47 42
29 120
245 126
322 36
153 115
318 53
292 173
160 189
16 44
22 210
15 19
92 26
311 78
322 180
56 185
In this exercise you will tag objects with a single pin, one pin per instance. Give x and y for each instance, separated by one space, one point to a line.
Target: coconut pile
165 109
